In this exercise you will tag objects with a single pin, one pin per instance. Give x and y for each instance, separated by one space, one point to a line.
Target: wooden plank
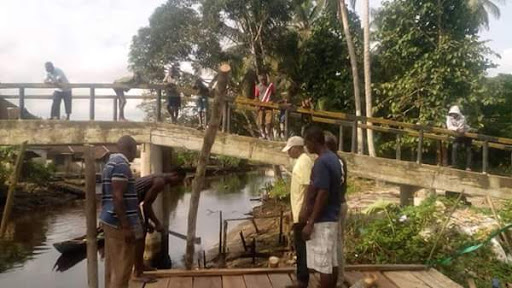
233 282
180 282
257 281
208 282
439 277
405 279
383 281
160 283
280 280
353 276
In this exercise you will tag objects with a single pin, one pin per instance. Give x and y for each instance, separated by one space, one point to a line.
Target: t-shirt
125 80
118 169
301 175
142 186
57 77
260 92
326 174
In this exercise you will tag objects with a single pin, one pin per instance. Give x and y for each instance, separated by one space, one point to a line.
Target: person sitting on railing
133 80
173 95
56 76
202 102
264 92
455 121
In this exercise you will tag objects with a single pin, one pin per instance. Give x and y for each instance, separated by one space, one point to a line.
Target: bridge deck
38 132
280 278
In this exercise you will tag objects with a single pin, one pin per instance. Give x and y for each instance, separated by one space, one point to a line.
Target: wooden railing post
398 147
22 103
91 104
90 215
420 147
354 137
340 139
159 105
485 156
228 121
286 124
220 232
224 117
114 101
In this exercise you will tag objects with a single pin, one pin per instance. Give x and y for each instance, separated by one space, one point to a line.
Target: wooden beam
204 155
252 271
90 215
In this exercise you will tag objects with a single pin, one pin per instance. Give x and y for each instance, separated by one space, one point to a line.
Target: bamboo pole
12 187
90 215
209 139
498 219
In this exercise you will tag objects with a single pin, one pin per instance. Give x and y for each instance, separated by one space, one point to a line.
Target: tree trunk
209 139
355 73
367 75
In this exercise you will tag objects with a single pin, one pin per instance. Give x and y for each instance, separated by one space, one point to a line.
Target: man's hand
159 227
150 228
129 235
306 232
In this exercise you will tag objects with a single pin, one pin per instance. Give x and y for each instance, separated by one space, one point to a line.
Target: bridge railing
339 119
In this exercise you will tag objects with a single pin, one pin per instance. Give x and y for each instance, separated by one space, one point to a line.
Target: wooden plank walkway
392 276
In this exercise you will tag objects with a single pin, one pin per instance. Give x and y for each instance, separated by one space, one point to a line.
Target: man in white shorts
323 209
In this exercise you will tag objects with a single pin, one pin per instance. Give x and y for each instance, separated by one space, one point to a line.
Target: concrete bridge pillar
154 161
407 194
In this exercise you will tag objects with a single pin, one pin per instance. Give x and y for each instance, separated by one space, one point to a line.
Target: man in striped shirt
147 189
120 216
265 93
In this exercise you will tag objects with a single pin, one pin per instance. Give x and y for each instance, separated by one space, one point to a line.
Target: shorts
202 104
174 102
265 117
322 247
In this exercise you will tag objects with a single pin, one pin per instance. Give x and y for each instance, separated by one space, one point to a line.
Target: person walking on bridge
456 122
264 92
301 174
133 80
173 95
321 228
202 103
147 189
56 77
120 216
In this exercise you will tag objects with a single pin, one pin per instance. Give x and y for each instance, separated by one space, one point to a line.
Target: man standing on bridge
301 174
120 216
56 77
148 188
321 228
265 93
455 121
134 80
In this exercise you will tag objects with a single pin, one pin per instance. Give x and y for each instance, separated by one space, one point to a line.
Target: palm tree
482 9
367 75
343 14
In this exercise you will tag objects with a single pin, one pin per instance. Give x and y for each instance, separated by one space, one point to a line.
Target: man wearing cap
300 181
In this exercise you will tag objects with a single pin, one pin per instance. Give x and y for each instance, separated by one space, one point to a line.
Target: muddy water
28 258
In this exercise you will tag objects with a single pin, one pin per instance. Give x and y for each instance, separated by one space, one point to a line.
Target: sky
90 40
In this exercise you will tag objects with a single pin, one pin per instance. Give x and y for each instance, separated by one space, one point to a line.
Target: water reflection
28 259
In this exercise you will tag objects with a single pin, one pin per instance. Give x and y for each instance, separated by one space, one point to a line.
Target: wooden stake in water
12 187
90 215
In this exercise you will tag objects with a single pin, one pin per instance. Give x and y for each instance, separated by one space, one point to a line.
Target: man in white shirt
301 174
56 77
455 121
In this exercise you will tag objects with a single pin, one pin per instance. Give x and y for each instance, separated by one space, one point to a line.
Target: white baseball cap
292 142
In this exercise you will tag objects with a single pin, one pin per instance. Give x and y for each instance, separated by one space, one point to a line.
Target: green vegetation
279 190
413 233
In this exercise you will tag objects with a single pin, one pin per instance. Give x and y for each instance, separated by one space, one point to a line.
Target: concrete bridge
404 173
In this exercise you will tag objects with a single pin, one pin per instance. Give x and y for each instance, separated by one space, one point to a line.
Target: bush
279 190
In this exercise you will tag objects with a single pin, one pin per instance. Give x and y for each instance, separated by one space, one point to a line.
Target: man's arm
157 187
318 207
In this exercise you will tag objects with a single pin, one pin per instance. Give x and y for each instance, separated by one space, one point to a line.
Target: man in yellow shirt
300 181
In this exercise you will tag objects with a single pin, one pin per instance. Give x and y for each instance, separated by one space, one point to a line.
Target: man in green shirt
133 80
